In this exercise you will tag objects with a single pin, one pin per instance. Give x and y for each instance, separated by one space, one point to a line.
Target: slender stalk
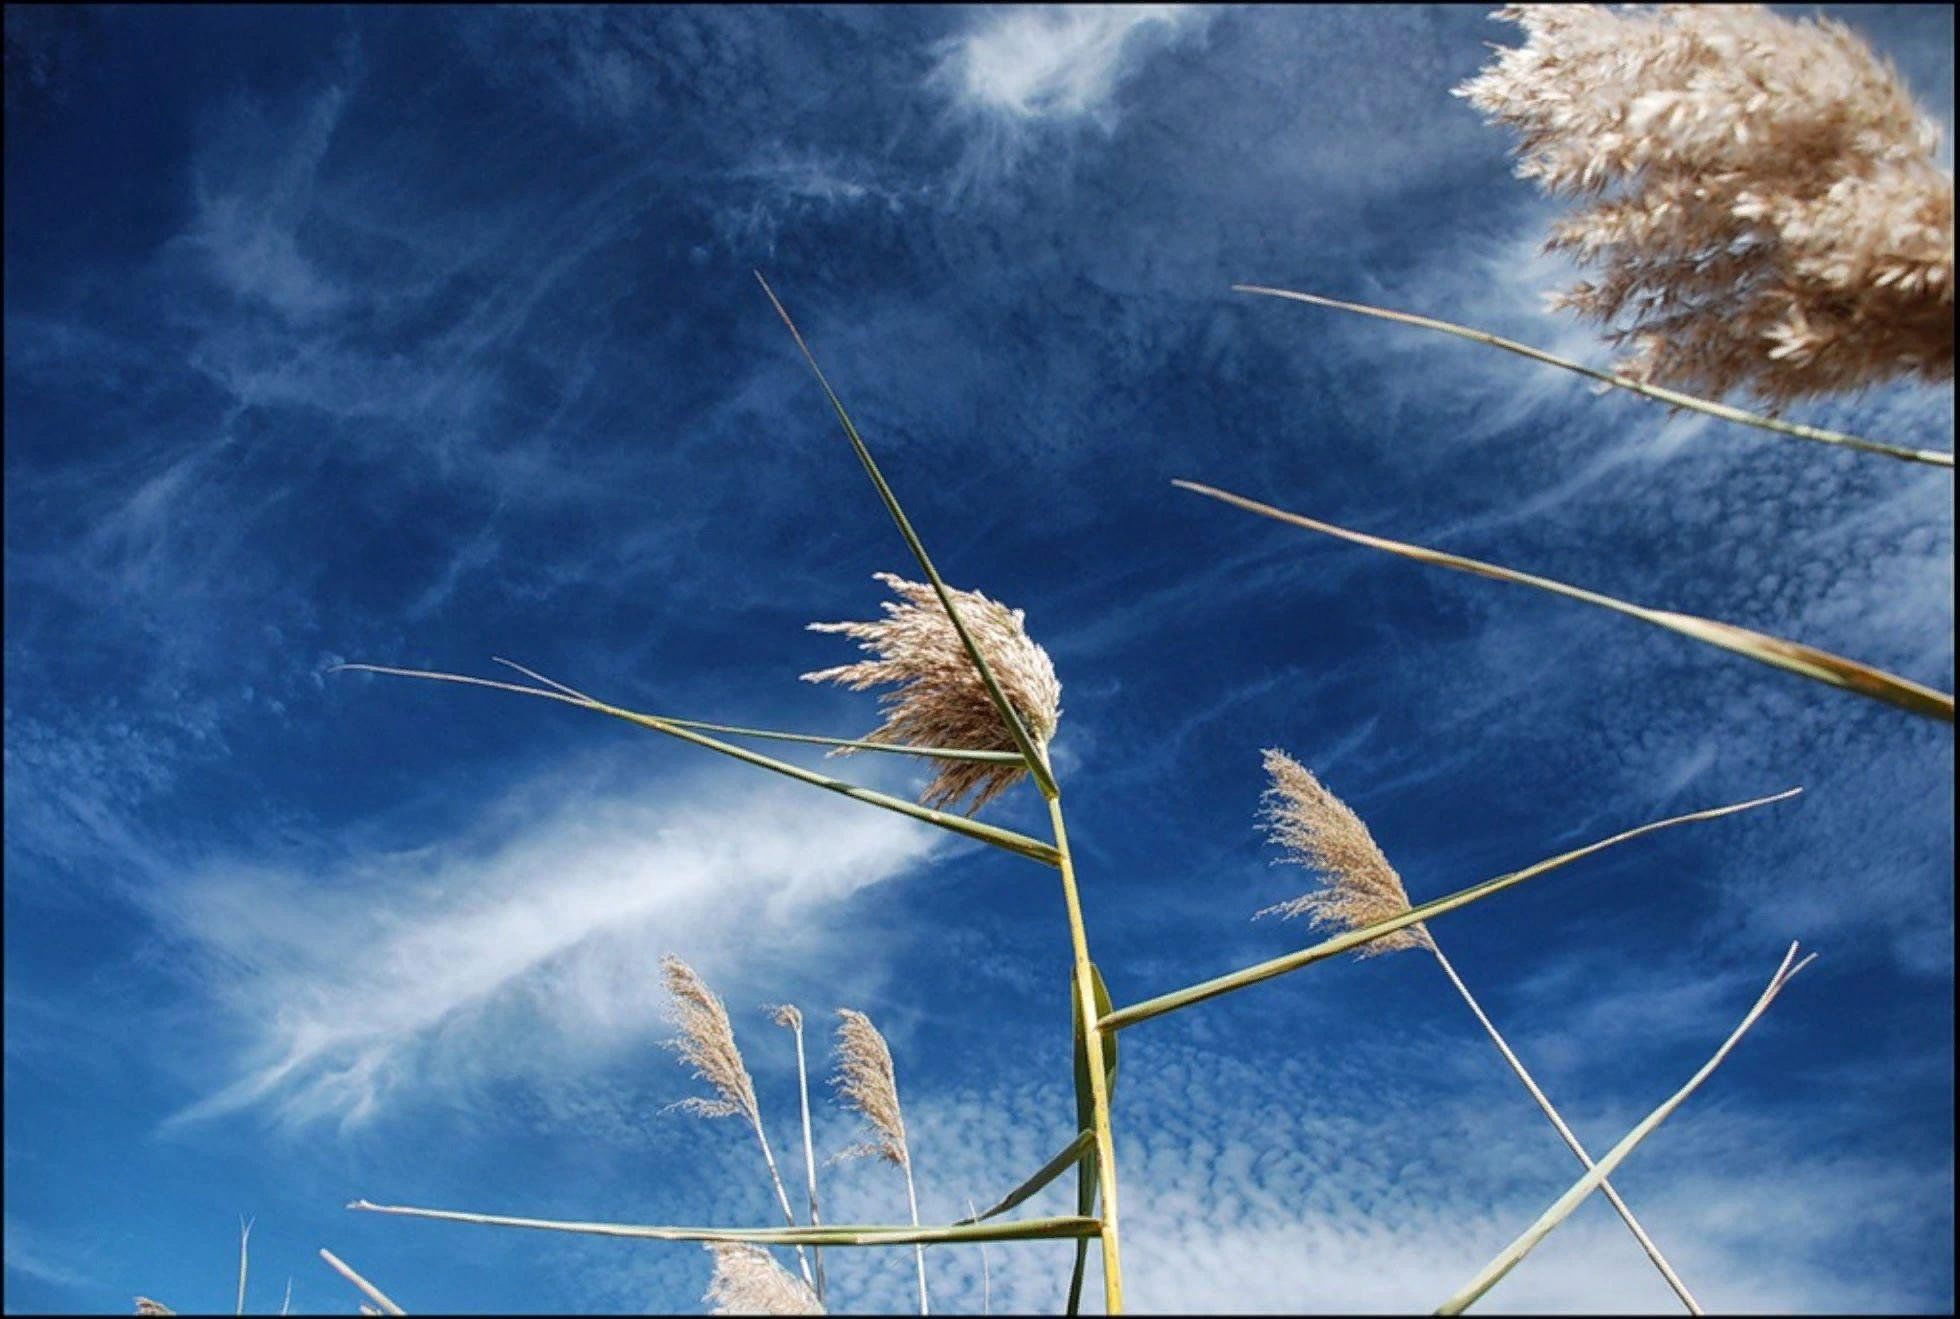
1061 1228
1673 398
918 1251
1084 1142
1792 656
1508 1258
1340 943
286 1305
986 1278
244 1235
1092 1034
1005 839
1565 1134
373 1292
782 1198
795 1022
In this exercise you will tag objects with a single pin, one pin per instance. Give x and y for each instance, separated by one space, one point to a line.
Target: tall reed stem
1092 1039
918 1250
782 1198
809 1147
1565 1134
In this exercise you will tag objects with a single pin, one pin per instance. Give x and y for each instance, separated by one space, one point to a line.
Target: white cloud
547 921
1057 61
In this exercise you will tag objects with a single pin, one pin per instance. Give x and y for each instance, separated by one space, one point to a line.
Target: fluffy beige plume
749 1281
707 1044
867 1082
938 697
1762 204
1317 830
144 1305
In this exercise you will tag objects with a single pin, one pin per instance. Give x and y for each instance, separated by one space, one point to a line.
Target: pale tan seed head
748 1280
707 1044
937 697
1761 200
144 1305
1317 830
867 1082
787 1015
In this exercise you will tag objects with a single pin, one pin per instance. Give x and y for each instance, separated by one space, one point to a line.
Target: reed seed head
144 1305
707 1044
1315 829
748 1280
937 696
866 1081
788 1016
1762 202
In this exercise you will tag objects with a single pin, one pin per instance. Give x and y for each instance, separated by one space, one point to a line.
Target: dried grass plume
707 1044
867 1082
748 1280
938 698
1763 208
1317 830
144 1305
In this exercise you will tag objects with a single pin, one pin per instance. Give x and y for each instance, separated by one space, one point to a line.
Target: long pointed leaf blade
1055 1167
1792 656
1340 943
1673 398
1031 755
903 1234
1005 839
1508 1258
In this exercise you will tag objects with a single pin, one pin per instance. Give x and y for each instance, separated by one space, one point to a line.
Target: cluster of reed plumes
747 1280
1763 203
1711 115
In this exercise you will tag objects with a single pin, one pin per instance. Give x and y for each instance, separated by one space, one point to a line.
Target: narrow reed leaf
1819 665
1508 1258
747 1280
1034 755
372 1292
1024 1229
1076 1150
1334 947
1005 839
1088 1174
1674 398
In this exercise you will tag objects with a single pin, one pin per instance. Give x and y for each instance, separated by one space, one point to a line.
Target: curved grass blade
1340 943
373 1292
1025 1229
1031 754
1005 839
1508 1258
1087 1172
1808 661
1083 1143
1673 398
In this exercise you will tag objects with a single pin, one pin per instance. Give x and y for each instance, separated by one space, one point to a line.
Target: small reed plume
938 698
788 1016
867 1081
707 1044
1315 829
144 1305
1763 204
748 1280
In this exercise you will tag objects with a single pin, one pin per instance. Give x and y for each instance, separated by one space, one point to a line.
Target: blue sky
419 336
